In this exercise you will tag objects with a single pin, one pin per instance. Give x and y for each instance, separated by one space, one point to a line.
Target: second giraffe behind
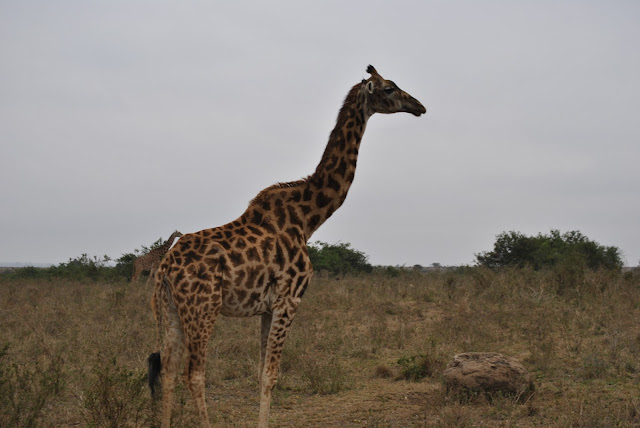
258 264
152 259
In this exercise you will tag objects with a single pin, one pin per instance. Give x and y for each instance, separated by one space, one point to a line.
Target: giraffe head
384 96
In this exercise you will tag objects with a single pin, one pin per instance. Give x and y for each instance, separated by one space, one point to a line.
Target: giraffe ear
369 87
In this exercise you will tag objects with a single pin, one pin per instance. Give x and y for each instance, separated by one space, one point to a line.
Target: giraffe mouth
417 112
416 108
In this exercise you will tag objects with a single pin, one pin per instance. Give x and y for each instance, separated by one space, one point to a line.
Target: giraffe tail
155 365
154 361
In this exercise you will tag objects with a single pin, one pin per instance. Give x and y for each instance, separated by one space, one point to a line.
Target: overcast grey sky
121 121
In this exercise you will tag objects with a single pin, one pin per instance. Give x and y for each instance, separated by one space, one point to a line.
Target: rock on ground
487 372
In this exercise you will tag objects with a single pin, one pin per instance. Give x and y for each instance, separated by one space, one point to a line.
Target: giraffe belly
248 309
246 292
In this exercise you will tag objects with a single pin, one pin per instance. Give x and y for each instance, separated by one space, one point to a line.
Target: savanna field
364 351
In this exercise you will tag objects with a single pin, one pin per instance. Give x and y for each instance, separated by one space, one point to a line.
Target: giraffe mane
349 99
260 197
341 120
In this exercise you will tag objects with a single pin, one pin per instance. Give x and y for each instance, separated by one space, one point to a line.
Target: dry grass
77 353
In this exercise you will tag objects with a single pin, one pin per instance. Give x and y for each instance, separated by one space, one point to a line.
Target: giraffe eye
389 89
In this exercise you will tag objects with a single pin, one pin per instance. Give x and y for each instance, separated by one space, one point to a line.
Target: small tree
517 250
338 259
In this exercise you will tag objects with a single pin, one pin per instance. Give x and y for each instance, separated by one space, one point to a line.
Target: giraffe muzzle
414 107
417 110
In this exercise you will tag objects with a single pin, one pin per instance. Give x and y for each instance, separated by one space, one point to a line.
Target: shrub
28 272
326 376
116 395
84 266
383 371
338 259
513 249
124 265
417 367
24 391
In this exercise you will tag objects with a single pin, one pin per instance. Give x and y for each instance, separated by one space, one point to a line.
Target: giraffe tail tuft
155 365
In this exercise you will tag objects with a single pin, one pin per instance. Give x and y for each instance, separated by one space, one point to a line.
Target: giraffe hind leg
154 361
172 353
196 383
188 327
197 336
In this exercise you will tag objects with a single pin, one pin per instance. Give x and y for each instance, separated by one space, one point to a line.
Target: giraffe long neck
165 247
328 186
298 208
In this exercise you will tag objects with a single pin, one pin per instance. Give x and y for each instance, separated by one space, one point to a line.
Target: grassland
73 352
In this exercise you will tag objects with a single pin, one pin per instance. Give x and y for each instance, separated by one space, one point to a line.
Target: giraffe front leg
265 326
275 333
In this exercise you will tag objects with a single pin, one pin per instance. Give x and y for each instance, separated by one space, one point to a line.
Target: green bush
124 265
416 367
338 259
93 268
27 272
513 249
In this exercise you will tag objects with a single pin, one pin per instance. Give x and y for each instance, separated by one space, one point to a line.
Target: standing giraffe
152 259
258 264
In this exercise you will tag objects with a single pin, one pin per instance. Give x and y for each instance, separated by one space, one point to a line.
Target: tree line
510 250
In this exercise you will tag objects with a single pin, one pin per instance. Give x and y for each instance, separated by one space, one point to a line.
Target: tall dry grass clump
363 351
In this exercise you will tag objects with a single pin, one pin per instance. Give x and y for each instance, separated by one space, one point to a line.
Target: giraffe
258 264
152 259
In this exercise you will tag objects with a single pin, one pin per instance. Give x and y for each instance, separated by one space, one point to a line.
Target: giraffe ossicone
258 264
